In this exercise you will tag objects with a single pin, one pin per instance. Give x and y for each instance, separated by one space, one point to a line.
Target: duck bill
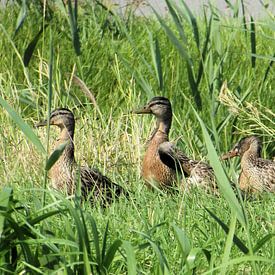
229 155
144 110
41 124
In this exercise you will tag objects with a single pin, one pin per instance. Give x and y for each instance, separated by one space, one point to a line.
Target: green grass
124 62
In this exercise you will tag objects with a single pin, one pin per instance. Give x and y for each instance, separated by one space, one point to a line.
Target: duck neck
253 152
161 131
164 125
67 135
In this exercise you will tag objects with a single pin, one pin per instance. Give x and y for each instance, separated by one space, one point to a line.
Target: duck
257 174
162 161
65 173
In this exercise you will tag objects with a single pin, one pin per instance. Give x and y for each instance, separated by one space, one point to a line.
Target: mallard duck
257 174
158 165
154 171
65 172
198 173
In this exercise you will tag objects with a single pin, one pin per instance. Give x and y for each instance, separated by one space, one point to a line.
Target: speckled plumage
198 173
65 173
257 174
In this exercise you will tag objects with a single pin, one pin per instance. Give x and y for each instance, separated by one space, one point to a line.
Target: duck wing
96 186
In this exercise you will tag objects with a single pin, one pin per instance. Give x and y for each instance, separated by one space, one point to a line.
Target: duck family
162 162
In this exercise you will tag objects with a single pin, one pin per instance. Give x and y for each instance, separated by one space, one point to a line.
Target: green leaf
24 127
194 24
131 259
55 155
111 253
183 241
5 197
31 47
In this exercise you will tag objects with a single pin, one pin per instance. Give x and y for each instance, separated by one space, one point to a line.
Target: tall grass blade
187 58
194 87
50 91
108 258
229 242
131 259
204 50
5 197
269 68
194 24
177 22
87 266
244 20
222 180
253 42
23 126
156 56
183 241
263 241
237 241
174 39
31 47
55 156
74 27
158 64
104 242
21 17
95 239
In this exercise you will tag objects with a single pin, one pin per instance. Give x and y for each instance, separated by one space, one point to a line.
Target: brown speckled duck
158 165
65 172
198 173
257 174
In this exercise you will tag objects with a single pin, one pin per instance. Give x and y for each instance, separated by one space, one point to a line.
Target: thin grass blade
222 180
177 22
95 239
237 241
263 241
31 47
21 17
74 27
23 126
253 42
194 25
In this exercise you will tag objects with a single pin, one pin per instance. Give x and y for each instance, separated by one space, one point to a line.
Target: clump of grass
259 118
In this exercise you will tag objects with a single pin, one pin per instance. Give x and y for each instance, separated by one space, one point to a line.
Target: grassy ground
124 62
